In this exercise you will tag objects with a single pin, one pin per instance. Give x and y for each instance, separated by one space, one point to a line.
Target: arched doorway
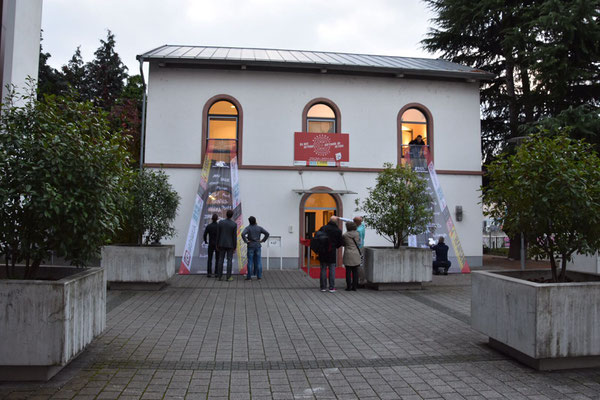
316 207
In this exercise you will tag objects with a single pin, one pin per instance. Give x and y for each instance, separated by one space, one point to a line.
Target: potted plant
398 206
61 174
150 213
549 190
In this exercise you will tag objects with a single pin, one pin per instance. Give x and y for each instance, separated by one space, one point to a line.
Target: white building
261 97
19 42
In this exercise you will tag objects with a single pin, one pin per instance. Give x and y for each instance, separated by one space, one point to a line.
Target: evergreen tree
545 54
49 79
74 74
106 74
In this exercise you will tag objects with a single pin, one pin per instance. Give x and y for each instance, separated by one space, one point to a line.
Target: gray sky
386 27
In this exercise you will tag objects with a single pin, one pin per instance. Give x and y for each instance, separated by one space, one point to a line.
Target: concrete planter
44 324
544 325
403 268
583 263
143 267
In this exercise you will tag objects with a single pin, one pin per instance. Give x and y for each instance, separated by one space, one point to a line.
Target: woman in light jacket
352 255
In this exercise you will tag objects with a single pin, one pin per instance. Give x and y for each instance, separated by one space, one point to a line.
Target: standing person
352 255
327 254
211 232
416 151
441 257
226 244
251 236
360 228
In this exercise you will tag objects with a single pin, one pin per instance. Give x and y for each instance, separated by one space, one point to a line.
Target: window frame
337 124
428 123
206 117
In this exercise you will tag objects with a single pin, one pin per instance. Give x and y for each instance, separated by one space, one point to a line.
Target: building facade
260 98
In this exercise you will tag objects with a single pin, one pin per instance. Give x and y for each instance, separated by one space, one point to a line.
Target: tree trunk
514 250
563 268
553 266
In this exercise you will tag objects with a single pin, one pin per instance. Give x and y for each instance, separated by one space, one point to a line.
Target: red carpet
315 272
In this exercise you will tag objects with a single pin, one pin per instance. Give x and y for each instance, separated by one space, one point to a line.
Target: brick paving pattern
281 338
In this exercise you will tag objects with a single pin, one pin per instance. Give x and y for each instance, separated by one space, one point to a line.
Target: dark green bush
62 176
152 206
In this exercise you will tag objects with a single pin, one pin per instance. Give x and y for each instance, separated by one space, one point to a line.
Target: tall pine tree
106 74
74 74
545 53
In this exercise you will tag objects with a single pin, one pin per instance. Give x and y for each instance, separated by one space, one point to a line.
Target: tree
398 205
61 180
74 73
152 206
550 190
49 79
106 74
126 114
546 57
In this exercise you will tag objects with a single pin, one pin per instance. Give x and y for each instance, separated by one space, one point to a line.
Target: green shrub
398 205
550 191
61 180
152 207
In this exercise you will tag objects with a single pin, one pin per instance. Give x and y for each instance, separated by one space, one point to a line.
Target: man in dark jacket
441 257
327 256
211 232
251 236
226 244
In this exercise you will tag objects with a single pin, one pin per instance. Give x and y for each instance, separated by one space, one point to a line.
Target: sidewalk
281 338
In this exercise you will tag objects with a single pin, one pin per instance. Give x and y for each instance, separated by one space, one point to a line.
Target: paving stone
199 338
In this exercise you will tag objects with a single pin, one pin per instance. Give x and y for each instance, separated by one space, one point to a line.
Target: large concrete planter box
143 267
403 268
581 263
544 325
44 324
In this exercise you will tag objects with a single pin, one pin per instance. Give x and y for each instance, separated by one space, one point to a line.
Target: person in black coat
226 244
211 232
441 257
327 257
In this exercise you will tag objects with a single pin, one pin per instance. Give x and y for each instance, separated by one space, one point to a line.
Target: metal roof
319 61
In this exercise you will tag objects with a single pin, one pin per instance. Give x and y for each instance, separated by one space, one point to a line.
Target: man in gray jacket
226 244
251 236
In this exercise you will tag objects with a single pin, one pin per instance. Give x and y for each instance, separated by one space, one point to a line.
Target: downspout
143 128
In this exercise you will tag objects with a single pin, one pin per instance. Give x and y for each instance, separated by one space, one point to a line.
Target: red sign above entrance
321 149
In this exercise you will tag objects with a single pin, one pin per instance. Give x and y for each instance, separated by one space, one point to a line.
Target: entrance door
319 207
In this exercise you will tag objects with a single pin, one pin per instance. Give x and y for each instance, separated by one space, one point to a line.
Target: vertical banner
218 191
442 224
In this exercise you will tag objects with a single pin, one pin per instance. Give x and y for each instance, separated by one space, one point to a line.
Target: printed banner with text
321 149
218 192
442 224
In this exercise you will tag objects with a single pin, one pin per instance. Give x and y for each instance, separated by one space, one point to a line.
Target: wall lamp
458 211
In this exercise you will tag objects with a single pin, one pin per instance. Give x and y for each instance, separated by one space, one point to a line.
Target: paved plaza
281 338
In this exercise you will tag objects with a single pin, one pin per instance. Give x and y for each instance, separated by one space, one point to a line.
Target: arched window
413 124
222 121
321 118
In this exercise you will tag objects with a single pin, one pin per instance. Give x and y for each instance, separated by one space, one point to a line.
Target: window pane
321 126
222 128
223 107
413 115
320 111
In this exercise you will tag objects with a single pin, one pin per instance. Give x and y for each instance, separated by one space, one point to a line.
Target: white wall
272 106
20 45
